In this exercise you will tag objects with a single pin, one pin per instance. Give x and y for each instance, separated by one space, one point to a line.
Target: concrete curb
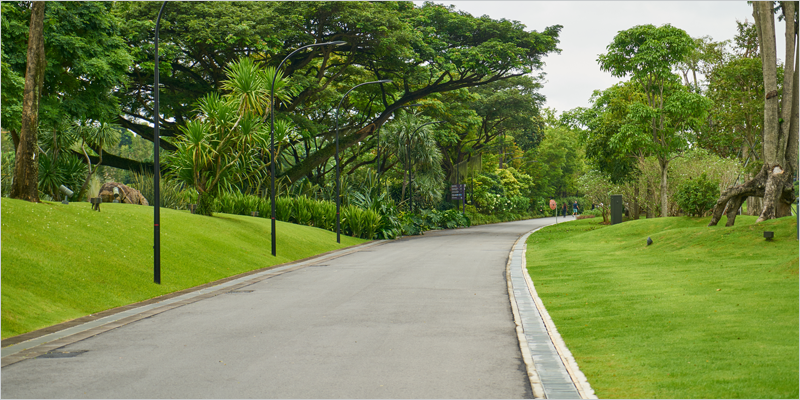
533 376
49 339
577 378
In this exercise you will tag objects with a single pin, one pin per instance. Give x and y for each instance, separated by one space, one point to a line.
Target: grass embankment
704 312
61 262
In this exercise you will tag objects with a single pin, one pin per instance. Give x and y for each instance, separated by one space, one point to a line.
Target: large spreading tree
663 122
425 50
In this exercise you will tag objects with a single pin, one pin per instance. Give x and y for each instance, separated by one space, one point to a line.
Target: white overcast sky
589 26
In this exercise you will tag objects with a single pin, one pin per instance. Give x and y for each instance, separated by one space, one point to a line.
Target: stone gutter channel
552 370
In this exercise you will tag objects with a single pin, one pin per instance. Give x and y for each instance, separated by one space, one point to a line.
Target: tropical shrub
323 214
172 194
359 222
221 145
68 170
283 208
696 196
302 210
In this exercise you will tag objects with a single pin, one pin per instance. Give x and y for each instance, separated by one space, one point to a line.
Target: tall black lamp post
156 168
408 162
272 132
338 230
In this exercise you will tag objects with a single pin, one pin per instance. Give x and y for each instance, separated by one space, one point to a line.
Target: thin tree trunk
26 166
650 195
664 203
635 201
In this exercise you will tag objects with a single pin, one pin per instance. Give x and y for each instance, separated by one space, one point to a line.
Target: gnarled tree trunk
26 166
774 182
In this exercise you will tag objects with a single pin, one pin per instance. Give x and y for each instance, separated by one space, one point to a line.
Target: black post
338 230
272 135
616 209
157 168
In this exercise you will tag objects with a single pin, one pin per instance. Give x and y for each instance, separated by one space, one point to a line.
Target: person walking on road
564 209
575 209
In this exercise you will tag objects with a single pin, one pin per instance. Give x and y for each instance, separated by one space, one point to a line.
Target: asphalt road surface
420 317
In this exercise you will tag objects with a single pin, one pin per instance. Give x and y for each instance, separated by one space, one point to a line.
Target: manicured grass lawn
61 262
704 312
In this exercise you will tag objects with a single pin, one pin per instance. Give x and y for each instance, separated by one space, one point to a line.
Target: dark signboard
457 192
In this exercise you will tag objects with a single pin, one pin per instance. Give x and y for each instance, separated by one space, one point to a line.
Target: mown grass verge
61 262
704 312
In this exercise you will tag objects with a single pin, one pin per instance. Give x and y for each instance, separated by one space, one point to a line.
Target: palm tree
223 144
417 151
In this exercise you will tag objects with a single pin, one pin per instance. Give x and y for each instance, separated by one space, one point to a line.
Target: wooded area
684 99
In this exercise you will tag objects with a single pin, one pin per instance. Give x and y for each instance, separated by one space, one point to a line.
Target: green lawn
704 312
61 262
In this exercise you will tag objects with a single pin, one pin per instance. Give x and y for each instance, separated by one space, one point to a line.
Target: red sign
552 204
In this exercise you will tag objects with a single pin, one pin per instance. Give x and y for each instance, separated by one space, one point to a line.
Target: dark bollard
616 209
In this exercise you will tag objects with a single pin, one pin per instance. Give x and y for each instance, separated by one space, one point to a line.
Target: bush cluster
383 221
696 196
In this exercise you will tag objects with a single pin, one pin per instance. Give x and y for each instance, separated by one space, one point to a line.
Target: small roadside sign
552 204
458 191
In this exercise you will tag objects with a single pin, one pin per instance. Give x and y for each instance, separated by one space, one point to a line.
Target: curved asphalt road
420 317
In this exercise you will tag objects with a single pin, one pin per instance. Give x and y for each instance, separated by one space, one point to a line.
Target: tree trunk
774 181
635 201
205 202
649 212
664 203
26 166
754 205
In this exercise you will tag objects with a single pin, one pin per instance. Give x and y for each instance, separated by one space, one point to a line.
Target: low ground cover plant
703 312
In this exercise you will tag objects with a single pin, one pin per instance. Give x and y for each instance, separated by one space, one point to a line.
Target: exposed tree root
771 184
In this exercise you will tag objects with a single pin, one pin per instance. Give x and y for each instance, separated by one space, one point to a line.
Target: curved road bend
420 317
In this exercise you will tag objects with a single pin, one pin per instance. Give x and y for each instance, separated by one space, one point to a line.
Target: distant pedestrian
575 209
564 209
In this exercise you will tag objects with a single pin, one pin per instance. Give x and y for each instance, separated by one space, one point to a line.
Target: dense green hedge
355 221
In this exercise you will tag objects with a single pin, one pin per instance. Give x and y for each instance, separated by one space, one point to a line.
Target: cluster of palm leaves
223 152
418 153
226 145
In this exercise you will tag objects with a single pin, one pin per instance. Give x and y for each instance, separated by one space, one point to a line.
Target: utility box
616 209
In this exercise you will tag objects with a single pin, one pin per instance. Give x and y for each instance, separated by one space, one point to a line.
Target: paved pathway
420 317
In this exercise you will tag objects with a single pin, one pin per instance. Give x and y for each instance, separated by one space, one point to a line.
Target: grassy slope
61 262
649 321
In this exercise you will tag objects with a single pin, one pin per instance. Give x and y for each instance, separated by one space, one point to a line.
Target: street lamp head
337 42
384 81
